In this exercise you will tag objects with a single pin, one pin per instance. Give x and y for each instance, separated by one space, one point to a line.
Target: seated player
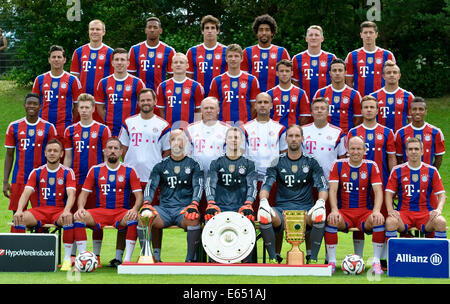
55 186
113 182
351 182
415 182
232 179
296 175
180 179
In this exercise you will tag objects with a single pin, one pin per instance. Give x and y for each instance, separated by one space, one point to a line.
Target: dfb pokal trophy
146 216
295 226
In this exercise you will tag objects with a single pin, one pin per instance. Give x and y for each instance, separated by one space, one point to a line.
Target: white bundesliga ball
86 262
146 213
353 264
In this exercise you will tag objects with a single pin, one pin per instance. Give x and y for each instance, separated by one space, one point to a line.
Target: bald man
181 181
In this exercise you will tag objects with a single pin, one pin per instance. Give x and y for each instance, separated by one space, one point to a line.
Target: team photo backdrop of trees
416 31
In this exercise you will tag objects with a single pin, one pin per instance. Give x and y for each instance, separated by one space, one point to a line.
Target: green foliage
411 29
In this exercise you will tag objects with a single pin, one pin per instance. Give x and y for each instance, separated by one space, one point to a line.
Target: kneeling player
180 179
113 182
296 175
55 186
351 182
415 182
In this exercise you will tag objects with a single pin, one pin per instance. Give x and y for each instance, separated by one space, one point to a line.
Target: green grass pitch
174 240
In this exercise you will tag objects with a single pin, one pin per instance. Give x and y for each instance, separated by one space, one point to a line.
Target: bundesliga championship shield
228 237
146 216
295 227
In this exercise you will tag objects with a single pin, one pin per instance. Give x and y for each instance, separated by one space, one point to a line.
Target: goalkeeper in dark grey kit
295 174
231 180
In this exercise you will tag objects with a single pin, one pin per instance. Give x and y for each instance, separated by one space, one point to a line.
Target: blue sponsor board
28 252
423 258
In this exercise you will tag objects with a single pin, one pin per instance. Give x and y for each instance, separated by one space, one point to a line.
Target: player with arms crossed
180 178
116 95
58 91
295 174
415 182
207 60
365 65
179 98
92 61
151 60
351 182
311 66
55 187
25 138
260 60
431 136
345 102
394 103
236 90
113 182
290 103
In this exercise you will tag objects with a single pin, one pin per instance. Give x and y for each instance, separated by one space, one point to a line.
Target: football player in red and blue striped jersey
58 91
25 141
311 66
365 65
431 136
260 60
415 182
113 182
151 60
352 182
179 97
207 60
290 103
116 95
236 90
393 102
54 185
345 103
92 61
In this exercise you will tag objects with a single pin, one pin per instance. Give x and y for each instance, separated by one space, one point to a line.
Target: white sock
119 254
359 247
67 250
97 246
378 249
384 254
129 248
331 252
82 245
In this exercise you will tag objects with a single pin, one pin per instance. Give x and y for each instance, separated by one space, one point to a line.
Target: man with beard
55 187
296 175
113 182
145 138
181 181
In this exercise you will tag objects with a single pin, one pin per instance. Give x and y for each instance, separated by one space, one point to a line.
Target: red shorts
90 202
417 219
46 214
107 217
272 196
14 197
355 218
